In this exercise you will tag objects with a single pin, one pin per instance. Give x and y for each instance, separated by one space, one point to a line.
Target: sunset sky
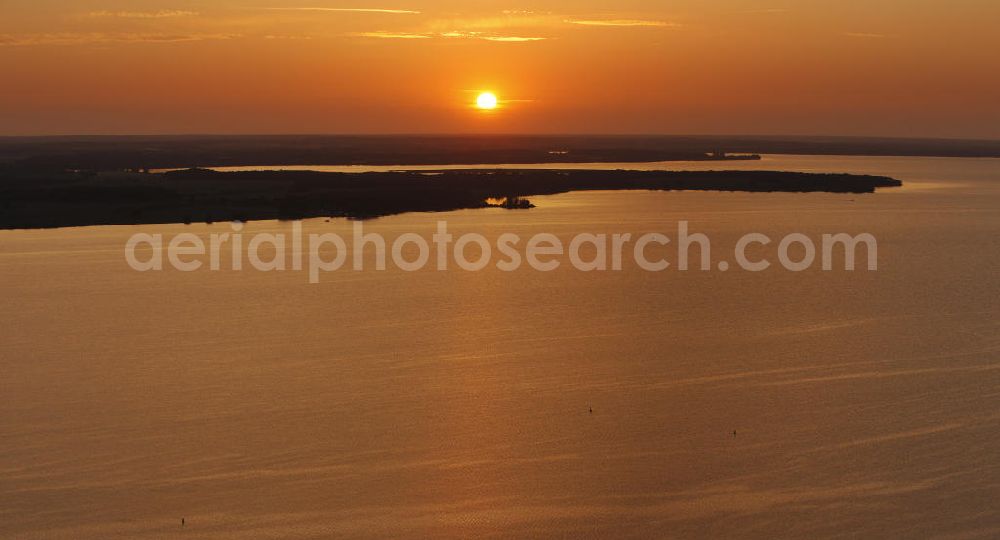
882 67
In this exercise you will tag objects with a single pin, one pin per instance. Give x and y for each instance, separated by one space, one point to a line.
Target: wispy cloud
446 35
620 22
488 36
389 35
346 10
512 38
524 12
518 20
162 14
22 40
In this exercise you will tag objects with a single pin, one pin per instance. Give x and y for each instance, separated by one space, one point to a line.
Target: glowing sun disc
486 101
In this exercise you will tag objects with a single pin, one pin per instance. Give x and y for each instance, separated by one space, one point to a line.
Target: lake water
920 166
457 404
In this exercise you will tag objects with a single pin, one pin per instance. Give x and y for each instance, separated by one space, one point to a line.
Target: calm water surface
456 404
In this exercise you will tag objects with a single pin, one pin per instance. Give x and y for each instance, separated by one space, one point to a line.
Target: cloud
23 40
446 35
457 34
162 14
488 36
512 38
524 12
389 35
621 22
346 10
519 20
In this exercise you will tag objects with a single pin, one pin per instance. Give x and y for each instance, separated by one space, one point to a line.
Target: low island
68 198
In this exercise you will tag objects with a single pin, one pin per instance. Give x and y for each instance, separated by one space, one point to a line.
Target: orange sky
882 67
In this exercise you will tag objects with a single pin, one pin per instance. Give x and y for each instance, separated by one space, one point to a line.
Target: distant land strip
108 153
46 200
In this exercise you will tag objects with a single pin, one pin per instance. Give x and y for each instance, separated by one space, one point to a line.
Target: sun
486 101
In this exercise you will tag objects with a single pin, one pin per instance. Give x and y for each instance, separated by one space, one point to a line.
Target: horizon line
513 134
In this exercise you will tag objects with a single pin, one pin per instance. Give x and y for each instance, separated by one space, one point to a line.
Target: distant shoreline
109 153
437 167
66 199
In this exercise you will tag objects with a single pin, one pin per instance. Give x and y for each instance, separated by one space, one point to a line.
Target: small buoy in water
182 522
591 410
734 433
